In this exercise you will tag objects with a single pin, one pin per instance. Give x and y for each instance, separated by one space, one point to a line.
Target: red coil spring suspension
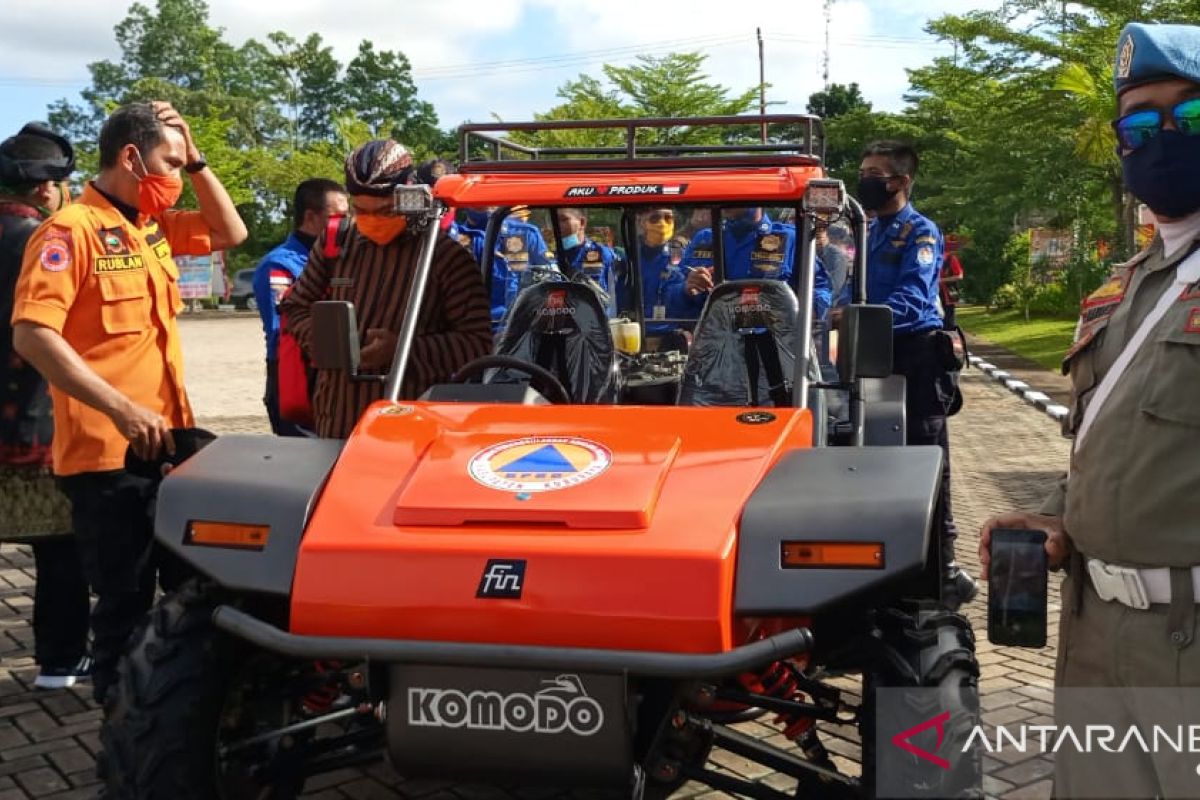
781 680
321 699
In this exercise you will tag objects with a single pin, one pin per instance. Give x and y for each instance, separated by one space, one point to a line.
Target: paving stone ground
1005 455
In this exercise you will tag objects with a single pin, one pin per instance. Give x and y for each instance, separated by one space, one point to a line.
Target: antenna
828 25
762 83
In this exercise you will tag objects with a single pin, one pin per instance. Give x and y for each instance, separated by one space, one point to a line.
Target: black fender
255 480
883 412
836 494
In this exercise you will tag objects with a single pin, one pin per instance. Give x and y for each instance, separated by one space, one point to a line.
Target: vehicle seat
562 326
742 348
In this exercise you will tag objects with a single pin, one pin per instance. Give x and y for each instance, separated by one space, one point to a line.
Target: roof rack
482 148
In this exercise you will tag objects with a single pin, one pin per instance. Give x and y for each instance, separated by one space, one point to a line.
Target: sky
475 59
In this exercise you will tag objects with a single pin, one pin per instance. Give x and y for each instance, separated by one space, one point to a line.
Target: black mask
1164 174
306 239
873 192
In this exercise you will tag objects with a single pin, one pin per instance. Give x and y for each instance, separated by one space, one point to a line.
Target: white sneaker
52 677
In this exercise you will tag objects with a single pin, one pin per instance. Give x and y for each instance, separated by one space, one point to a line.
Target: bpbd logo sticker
539 464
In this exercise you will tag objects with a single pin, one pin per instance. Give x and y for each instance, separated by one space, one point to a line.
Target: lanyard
1186 273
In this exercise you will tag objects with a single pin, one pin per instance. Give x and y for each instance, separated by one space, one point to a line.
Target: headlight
824 196
414 200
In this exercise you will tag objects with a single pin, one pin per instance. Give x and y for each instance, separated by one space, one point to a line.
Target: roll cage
777 171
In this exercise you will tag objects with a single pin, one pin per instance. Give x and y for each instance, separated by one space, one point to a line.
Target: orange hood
624 519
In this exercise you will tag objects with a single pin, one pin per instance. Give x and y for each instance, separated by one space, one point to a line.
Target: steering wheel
540 378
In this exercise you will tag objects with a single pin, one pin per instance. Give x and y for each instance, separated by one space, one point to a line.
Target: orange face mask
157 193
381 228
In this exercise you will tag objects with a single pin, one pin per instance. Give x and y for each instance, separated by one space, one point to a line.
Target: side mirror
864 342
335 342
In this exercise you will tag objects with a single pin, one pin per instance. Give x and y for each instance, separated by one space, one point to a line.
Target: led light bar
414 200
824 196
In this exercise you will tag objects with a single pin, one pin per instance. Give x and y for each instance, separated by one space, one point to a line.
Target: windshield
637 257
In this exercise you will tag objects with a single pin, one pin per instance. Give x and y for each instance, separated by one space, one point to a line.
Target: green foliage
1041 339
1013 129
837 101
1023 283
670 86
1014 133
267 115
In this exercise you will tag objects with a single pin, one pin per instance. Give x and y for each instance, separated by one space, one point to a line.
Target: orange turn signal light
227 534
832 555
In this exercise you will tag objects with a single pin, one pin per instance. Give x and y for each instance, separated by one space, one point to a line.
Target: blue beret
1148 53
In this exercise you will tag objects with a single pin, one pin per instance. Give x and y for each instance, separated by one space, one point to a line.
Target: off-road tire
159 739
924 645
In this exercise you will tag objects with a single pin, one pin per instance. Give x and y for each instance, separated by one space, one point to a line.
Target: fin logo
903 739
502 579
539 464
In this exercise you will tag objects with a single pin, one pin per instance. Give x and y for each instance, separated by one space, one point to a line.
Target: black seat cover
742 350
562 326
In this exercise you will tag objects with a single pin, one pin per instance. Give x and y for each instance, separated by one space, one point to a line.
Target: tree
837 101
1036 54
380 89
322 95
671 86
266 114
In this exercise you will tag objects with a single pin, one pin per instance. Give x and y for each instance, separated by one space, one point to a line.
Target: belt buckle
1123 584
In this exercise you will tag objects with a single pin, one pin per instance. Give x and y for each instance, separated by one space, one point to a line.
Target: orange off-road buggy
573 566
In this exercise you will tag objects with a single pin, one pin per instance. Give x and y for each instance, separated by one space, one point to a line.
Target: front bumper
787 644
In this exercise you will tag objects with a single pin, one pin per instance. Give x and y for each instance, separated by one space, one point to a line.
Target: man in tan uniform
1125 522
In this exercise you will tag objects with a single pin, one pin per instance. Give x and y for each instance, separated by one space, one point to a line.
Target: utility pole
828 26
762 84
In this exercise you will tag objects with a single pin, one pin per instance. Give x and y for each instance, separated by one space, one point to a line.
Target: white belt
1133 587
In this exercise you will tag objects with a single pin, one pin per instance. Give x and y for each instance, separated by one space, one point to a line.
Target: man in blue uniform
659 257
754 247
316 200
904 257
585 256
519 246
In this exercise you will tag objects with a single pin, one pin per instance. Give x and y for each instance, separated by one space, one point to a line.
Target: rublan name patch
108 264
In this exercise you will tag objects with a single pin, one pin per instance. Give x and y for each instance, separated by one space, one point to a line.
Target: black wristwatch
196 165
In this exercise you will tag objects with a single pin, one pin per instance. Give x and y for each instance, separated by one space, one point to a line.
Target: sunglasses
661 216
1137 128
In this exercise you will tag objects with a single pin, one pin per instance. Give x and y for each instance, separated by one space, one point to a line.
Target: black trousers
279 426
113 517
61 603
949 321
930 391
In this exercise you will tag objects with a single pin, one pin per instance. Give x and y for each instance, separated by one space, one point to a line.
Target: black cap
429 172
26 170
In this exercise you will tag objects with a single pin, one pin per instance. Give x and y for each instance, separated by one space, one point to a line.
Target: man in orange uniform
94 312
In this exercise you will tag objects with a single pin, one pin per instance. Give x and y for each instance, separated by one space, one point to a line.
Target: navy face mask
1164 173
873 192
742 224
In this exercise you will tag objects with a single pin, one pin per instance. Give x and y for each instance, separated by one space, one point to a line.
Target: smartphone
1017 588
